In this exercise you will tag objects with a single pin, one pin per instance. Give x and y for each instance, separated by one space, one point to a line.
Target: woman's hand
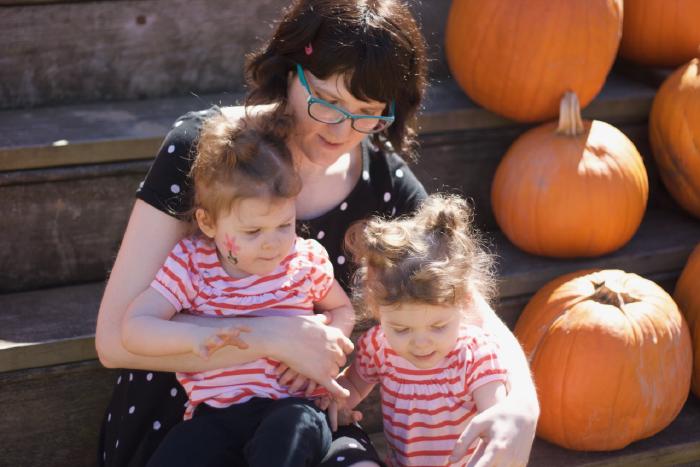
314 350
506 432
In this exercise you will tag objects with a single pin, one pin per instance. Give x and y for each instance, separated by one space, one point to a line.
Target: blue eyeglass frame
313 99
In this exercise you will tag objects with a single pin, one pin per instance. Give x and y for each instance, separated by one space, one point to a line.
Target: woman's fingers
466 439
310 388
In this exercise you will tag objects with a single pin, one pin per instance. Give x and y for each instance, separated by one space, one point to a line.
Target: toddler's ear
205 222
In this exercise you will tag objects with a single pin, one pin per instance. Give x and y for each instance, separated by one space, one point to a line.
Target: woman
351 74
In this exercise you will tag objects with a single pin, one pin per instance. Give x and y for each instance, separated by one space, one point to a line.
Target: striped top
425 411
193 279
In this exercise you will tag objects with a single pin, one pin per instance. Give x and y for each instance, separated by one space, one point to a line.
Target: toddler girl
246 260
419 277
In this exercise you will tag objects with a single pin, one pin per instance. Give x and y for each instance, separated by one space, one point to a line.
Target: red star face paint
232 249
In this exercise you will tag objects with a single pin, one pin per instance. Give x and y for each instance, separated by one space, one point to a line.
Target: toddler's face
255 235
421 333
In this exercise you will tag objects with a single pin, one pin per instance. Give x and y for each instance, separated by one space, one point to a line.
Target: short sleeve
166 186
484 366
174 281
369 356
408 190
320 269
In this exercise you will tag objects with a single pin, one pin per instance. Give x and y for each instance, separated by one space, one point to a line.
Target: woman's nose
341 131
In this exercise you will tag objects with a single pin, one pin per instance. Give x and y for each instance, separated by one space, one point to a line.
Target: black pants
258 433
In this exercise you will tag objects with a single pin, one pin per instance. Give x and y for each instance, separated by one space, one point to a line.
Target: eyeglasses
325 112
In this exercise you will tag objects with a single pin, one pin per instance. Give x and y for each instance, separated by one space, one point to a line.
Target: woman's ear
205 222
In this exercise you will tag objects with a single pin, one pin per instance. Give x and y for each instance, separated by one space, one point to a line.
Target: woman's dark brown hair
376 44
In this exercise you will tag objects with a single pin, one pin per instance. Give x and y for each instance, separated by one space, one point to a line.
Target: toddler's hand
296 381
221 337
339 413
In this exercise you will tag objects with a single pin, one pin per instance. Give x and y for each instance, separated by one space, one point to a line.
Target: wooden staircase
87 92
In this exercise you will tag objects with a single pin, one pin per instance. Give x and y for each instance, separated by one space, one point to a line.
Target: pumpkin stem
570 122
609 293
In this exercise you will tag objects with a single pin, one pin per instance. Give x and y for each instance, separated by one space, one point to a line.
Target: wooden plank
678 444
52 416
662 243
105 132
65 224
65 52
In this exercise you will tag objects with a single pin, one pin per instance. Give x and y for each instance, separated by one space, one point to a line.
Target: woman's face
324 143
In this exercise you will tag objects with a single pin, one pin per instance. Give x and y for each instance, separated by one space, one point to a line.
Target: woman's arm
508 426
337 304
305 344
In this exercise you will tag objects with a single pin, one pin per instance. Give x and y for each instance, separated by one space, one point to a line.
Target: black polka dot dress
146 404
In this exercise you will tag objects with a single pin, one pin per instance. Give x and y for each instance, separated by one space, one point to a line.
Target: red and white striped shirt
193 279
425 411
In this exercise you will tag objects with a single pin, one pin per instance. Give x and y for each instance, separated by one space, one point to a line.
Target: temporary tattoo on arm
232 249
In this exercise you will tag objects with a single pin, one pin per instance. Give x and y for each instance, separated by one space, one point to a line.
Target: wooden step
52 326
678 444
61 52
47 346
53 160
132 130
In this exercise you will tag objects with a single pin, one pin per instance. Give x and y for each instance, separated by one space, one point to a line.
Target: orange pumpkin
611 358
674 132
661 32
688 300
517 58
573 190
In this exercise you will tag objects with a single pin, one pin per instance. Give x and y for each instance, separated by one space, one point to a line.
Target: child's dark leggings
258 433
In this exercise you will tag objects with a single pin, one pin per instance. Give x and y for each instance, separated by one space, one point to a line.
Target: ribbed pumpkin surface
517 58
687 296
611 358
570 191
661 32
674 132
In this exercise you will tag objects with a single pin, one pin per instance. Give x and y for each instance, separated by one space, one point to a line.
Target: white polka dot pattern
149 376
365 175
131 409
131 376
156 425
341 259
399 173
320 235
175 189
178 123
343 206
387 197
171 149
173 392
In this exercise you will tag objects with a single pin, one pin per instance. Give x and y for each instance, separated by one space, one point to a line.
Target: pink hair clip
308 50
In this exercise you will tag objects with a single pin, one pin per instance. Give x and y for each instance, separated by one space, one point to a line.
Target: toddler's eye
439 327
400 330
252 232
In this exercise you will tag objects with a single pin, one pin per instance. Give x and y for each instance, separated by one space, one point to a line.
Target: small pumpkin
688 300
576 189
660 32
611 358
517 58
674 133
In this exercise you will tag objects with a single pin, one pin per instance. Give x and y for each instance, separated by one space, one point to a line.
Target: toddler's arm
485 396
358 388
147 330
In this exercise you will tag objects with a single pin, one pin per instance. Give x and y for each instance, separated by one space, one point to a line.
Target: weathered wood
678 444
51 416
111 50
106 132
65 228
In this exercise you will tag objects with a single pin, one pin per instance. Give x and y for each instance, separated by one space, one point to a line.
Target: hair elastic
308 49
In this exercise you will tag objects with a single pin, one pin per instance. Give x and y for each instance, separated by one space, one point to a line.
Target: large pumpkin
517 58
674 132
661 32
687 297
611 358
574 189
